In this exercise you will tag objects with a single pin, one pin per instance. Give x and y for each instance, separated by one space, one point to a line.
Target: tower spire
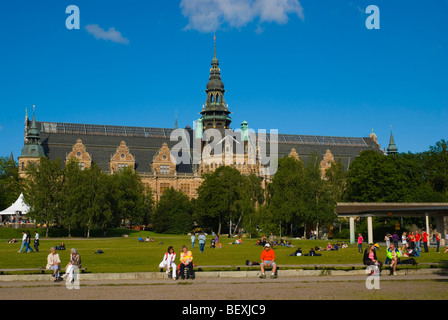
175 123
215 114
214 40
392 148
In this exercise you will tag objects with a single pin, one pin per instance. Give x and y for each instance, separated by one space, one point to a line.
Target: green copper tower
392 148
215 113
32 147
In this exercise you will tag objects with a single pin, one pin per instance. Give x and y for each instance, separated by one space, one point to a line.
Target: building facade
149 150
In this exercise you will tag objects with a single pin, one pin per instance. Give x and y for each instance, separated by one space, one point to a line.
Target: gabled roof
101 141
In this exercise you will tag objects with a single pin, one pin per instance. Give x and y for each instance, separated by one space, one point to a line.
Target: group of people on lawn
267 259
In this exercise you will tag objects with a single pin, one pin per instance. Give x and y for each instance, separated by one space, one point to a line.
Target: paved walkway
420 284
352 287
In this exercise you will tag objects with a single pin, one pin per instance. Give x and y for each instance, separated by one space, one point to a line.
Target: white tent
19 205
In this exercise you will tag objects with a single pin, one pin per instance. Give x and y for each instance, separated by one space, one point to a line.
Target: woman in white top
168 262
404 241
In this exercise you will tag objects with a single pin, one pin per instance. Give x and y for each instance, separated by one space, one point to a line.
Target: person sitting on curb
394 255
168 262
53 263
370 258
268 260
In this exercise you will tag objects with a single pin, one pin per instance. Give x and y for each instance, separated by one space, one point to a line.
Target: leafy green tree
320 203
373 177
226 195
298 195
10 187
129 199
285 192
99 200
435 164
74 188
173 213
336 177
42 191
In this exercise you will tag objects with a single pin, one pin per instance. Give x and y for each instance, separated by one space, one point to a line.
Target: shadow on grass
8 233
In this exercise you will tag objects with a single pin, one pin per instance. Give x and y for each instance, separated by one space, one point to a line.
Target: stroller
212 244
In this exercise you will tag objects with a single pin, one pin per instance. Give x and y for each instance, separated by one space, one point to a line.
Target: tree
435 164
336 177
226 195
320 202
42 191
75 190
298 195
373 177
129 196
99 200
285 192
10 187
173 213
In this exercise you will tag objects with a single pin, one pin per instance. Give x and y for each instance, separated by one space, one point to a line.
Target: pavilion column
441 229
427 223
352 230
369 229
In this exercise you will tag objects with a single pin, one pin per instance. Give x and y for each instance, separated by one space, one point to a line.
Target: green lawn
129 255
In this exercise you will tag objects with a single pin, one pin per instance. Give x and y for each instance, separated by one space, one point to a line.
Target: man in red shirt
268 260
425 241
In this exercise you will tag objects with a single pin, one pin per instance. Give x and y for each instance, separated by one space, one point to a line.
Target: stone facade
122 159
148 150
79 153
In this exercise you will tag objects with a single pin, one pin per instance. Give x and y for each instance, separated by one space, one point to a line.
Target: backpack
409 261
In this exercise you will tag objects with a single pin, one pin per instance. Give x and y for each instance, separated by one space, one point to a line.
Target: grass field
129 255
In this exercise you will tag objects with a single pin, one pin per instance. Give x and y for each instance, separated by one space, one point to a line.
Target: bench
286 266
42 270
351 266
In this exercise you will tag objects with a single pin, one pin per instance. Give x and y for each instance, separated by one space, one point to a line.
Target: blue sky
305 67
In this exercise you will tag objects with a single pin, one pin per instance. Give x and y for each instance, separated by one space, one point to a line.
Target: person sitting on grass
312 253
268 260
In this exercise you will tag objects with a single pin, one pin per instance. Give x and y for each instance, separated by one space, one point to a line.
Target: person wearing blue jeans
23 242
193 240
54 263
201 239
416 251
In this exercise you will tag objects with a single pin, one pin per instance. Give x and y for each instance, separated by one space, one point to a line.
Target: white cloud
211 15
111 34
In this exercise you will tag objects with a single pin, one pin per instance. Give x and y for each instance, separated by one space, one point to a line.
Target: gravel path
426 287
